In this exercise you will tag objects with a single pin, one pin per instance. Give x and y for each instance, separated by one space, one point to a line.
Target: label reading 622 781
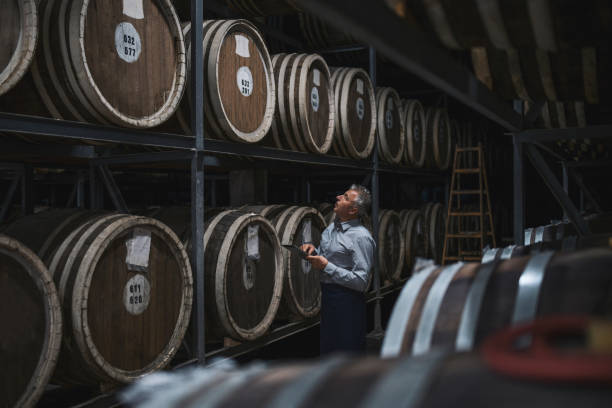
127 42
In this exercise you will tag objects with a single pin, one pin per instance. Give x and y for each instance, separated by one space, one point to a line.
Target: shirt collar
343 226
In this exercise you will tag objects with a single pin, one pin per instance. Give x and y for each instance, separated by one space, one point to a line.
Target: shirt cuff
329 268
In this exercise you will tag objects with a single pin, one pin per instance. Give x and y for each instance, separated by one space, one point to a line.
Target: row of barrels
459 305
291 101
116 290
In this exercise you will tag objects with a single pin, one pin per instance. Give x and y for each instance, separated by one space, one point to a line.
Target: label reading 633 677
127 42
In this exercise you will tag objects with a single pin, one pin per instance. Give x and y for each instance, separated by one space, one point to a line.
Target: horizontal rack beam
254 151
33 125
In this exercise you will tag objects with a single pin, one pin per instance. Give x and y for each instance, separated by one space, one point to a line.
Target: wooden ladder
456 230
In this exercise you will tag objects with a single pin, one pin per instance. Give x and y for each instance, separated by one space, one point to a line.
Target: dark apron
343 319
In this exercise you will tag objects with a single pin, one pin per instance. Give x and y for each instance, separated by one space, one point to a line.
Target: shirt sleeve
357 277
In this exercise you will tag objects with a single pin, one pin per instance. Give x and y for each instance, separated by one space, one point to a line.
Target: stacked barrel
305 110
296 225
100 66
422 234
239 90
243 261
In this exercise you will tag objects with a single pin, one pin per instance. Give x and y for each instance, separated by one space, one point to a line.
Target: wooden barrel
239 88
439 134
459 305
301 290
355 128
244 272
305 112
411 230
124 66
19 22
262 8
433 226
31 325
391 246
125 288
439 379
389 125
413 116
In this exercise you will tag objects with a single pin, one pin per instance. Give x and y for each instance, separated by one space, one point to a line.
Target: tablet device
301 253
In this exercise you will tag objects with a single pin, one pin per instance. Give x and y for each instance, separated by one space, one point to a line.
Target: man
344 259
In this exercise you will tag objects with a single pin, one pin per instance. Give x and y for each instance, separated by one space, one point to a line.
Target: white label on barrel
360 108
307 232
360 86
127 42
133 8
316 77
314 98
244 80
253 242
242 46
138 250
389 119
136 294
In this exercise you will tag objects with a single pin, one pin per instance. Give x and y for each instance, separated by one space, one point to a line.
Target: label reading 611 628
136 294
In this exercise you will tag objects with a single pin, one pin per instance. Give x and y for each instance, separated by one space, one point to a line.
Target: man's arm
355 278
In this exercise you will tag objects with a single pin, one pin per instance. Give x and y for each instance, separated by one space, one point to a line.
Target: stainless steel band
405 385
396 328
530 283
294 394
422 339
471 310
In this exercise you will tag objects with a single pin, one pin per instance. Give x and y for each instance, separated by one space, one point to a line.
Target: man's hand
308 248
317 262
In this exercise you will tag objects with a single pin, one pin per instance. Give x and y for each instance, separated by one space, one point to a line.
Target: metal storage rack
402 44
528 141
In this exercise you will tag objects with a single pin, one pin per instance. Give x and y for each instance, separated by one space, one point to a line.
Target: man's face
345 205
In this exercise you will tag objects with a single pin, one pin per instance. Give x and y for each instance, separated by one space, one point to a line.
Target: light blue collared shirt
349 251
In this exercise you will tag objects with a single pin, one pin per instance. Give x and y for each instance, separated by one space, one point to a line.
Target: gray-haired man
345 258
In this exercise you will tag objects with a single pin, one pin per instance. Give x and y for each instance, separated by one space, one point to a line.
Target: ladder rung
467 171
469 253
468 192
467 149
468 214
